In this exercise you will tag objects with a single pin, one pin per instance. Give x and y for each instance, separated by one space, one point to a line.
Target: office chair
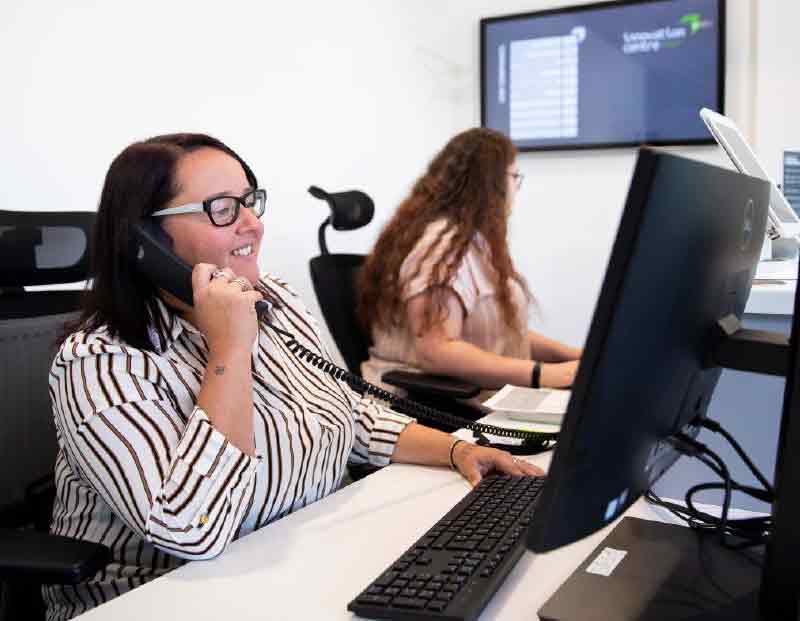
335 276
44 248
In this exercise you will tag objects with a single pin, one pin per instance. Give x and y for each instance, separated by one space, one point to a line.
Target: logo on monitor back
749 224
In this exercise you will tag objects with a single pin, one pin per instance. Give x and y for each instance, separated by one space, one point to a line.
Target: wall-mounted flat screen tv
601 75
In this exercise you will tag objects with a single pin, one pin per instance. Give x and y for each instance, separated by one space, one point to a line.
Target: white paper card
541 405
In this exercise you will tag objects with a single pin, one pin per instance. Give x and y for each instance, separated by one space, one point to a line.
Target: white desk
310 564
773 298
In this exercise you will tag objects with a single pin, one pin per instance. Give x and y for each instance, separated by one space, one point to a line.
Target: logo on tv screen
653 41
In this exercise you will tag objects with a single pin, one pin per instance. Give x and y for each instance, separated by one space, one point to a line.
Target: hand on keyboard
452 571
474 462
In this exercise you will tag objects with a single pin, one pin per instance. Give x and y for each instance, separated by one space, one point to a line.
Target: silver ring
243 283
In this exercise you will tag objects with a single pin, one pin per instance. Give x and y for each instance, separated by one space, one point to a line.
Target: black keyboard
453 570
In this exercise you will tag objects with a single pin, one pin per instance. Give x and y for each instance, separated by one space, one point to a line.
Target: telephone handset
154 258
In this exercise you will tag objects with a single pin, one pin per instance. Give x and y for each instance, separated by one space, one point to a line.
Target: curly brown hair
466 186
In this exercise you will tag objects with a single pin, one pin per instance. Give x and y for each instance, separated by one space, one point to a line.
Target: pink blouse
482 326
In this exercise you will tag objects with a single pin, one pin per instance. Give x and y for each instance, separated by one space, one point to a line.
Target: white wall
356 93
777 111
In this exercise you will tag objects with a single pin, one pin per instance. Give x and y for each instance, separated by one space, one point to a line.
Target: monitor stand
669 572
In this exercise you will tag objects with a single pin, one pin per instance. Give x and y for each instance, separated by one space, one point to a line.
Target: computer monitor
780 582
603 74
683 259
783 218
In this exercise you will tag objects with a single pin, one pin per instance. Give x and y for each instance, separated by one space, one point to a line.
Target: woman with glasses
439 290
182 428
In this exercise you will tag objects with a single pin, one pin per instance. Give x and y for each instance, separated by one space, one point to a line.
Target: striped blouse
141 469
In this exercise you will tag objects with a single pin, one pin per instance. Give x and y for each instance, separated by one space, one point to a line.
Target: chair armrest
434 385
31 556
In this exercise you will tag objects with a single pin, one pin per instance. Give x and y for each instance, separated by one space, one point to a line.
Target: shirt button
203 520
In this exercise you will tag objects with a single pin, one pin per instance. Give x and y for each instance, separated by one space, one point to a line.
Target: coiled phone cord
532 441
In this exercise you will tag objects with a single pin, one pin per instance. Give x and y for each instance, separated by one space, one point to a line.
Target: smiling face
200 175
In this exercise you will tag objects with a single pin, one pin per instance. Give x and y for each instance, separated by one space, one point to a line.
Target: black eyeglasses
223 210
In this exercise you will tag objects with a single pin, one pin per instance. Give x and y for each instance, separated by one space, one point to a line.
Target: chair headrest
44 247
349 210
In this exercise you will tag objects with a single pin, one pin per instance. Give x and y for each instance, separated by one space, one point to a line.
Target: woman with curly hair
439 291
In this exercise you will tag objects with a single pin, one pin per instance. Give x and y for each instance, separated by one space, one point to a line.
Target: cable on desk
733 533
714 426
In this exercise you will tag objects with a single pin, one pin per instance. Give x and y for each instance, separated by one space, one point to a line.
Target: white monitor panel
782 216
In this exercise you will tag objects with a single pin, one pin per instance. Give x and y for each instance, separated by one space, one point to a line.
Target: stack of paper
533 405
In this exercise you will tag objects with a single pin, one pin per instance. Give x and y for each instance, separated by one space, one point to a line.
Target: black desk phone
155 259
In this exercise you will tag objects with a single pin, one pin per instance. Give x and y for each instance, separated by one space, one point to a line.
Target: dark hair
139 181
466 186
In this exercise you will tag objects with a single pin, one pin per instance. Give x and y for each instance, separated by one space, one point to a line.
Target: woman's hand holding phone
222 311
